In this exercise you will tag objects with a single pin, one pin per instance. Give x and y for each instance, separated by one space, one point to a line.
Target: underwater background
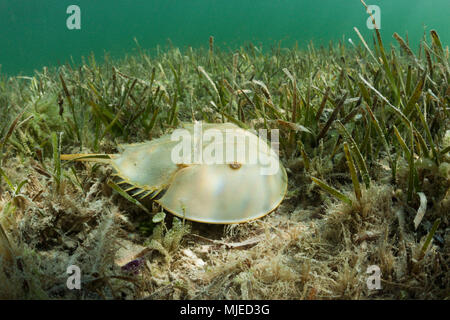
363 131
34 34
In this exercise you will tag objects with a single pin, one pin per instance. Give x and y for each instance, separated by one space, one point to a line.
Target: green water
33 33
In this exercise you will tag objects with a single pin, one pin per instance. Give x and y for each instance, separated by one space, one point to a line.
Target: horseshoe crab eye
235 166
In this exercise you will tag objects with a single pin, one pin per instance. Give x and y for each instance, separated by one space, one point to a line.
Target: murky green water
33 33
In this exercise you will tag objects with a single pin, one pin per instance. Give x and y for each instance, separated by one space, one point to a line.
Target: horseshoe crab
201 178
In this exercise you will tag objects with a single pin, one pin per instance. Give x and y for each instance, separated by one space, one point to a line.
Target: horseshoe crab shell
235 190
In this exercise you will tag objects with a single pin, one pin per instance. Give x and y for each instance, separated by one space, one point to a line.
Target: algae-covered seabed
364 135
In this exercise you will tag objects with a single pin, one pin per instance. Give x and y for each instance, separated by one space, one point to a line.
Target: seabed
364 137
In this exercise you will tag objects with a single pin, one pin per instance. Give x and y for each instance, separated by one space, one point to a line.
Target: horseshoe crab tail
94 157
